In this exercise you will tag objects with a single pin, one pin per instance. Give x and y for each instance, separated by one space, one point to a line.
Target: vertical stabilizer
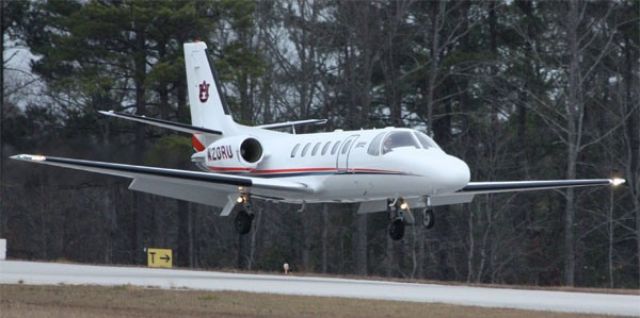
208 107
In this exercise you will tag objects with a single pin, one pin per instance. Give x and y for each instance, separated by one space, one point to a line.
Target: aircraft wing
466 194
214 189
513 186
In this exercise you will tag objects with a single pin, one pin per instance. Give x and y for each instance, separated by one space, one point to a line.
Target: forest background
518 89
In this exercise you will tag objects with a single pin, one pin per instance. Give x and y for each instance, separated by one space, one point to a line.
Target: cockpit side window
374 146
425 141
398 139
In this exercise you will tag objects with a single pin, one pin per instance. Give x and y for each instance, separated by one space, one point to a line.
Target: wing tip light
617 181
24 157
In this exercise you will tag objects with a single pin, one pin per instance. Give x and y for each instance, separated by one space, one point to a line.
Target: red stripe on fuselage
229 169
296 170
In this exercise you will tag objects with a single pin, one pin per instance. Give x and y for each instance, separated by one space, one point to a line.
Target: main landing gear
244 217
243 222
396 209
400 215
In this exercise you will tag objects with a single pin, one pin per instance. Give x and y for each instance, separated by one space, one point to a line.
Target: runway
12 272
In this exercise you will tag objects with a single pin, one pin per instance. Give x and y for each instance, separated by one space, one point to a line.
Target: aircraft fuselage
346 166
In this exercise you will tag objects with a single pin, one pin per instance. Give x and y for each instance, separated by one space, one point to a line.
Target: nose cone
450 174
461 174
441 173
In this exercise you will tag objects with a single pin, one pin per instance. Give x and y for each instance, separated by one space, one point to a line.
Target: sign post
159 257
3 249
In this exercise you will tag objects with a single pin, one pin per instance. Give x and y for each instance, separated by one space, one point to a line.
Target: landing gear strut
243 222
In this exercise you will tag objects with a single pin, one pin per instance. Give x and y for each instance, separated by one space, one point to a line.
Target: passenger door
342 160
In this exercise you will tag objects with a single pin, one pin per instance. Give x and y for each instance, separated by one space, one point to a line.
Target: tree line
518 89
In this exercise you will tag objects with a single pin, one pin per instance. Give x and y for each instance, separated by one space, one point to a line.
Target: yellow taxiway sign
159 257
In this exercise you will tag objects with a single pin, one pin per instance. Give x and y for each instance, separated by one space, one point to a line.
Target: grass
130 301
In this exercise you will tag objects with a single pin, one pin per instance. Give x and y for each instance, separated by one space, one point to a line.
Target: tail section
208 107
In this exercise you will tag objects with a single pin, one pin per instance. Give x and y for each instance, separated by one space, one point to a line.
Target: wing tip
26 157
617 181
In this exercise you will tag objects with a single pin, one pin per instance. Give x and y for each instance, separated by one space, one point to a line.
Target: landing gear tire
396 229
428 218
243 222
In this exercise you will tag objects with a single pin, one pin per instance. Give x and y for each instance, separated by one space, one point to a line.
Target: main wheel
243 222
396 229
428 218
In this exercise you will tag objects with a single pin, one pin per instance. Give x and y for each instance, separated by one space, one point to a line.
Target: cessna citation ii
396 170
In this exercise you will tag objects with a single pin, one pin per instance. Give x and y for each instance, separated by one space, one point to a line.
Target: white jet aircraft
391 169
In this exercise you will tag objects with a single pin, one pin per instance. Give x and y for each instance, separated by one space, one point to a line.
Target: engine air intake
251 150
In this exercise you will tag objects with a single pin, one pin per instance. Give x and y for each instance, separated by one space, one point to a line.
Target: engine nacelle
239 153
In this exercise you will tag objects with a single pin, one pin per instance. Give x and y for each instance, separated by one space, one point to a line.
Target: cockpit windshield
374 146
398 139
425 141
386 142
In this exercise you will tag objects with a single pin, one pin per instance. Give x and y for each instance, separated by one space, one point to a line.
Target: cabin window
374 146
335 148
325 147
346 147
398 139
315 149
295 150
305 149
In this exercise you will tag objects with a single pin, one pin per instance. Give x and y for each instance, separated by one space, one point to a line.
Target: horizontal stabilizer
294 123
163 123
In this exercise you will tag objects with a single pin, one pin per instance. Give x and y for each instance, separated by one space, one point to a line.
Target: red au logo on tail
204 91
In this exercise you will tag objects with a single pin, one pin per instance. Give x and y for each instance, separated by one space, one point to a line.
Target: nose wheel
428 218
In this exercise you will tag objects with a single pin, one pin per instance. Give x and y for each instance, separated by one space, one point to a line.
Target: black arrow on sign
166 258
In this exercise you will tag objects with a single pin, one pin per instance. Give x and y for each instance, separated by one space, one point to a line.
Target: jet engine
238 153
